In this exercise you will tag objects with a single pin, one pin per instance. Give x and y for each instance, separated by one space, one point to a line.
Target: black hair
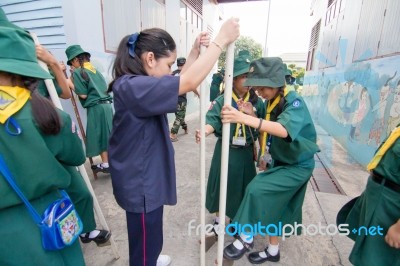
43 110
281 104
153 40
82 58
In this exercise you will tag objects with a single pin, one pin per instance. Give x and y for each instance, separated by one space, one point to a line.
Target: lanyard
266 137
246 99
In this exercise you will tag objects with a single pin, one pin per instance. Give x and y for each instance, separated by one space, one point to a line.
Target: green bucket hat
73 51
4 22
266 72
241 65
18 54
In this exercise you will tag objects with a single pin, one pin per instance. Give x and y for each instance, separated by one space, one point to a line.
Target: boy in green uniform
379 207
241 167
34 138
91 88
276 195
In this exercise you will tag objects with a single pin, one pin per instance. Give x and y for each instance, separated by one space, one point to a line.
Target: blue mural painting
358 104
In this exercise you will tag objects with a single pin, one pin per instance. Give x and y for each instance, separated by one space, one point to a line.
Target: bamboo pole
225 152
56 101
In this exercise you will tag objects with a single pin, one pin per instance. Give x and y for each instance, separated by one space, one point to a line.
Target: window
313 45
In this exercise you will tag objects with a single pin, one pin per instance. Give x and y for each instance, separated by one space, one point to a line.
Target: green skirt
377 206
274 196
98 128
241 170
21 242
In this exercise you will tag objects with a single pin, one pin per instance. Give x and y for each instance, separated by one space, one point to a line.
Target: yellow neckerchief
12 99
270 107
388 143
90 67
246 99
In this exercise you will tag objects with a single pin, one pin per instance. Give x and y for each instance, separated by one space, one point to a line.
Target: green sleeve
79 83
67 145
213 117
292 117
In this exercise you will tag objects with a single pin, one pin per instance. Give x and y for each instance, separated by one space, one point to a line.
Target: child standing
141 153
91 88
277 194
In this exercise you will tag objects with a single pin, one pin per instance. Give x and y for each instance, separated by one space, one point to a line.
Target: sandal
174 139
101 238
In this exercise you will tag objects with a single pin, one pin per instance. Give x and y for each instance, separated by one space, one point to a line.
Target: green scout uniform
377 206
241 168
277 194
99 110
42 89
77 190
33 159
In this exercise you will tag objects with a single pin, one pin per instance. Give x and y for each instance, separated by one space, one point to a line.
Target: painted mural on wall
358 104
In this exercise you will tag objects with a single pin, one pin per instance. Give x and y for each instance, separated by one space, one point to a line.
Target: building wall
99 25
353 88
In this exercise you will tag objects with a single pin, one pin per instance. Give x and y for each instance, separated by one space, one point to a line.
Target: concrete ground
183 245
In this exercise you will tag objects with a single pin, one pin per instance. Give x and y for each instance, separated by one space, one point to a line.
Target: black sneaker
101 238
99 168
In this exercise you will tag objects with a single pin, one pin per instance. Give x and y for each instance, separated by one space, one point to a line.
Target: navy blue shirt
141 154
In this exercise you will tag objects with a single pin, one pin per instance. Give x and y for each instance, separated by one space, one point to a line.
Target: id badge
239 141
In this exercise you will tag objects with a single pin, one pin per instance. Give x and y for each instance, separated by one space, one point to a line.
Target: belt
240 146
385 182
104 102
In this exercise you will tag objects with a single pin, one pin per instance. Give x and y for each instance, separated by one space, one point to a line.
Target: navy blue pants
145 235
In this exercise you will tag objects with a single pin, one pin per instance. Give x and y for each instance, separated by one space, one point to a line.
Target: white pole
56 101
266 32
225 151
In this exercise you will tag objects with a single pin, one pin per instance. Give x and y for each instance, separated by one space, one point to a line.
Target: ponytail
81 59
43 110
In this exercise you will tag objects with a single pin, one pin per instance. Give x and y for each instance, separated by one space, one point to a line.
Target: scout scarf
90 67
246 99
388 143
12 99
270 107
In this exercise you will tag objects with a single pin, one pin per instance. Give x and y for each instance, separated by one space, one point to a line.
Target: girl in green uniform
275 196
379 207
91 88
34 139
241 167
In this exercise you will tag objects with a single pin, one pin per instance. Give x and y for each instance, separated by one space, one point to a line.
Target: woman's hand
246 107
198 136
203 39
229 32
45 56
392 237
229 114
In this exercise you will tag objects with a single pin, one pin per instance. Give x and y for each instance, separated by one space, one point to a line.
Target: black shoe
99 168
232 253
101 238
255 258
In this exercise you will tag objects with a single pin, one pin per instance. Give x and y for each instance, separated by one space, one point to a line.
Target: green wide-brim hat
18 54
241 66
266 72
4 22
73 51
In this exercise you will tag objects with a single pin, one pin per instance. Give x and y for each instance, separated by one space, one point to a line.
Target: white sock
273 249
105 165
216 220
237 244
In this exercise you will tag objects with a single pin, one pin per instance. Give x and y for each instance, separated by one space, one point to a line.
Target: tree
243 43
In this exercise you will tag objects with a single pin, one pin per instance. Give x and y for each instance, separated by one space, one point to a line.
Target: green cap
266 72
18 54
4 22
73 51
288 72
241 65
245 53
